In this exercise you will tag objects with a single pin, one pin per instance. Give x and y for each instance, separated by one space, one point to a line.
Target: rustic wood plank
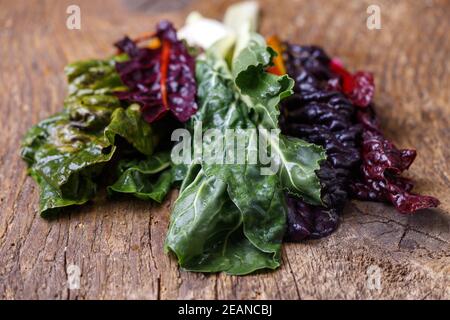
119 244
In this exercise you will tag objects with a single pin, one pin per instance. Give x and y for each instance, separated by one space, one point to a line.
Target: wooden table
118 245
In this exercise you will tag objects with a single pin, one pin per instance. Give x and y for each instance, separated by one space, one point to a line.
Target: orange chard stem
278 68
165 57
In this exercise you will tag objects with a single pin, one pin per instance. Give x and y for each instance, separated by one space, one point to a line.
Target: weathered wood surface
119 245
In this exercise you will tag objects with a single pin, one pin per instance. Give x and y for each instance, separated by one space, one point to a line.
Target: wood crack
385 220
293 275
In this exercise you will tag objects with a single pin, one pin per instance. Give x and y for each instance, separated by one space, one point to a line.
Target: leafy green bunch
231 217
95 138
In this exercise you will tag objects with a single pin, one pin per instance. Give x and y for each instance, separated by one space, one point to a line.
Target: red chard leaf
358 87
160 78
382 164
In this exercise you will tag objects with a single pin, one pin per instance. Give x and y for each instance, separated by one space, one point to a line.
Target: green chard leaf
51 200
94 77
148 179
230 217
298 162
297 159
261 90
56 150
207 233
67 152
130 125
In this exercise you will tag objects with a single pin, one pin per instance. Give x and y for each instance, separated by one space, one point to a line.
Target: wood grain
119 244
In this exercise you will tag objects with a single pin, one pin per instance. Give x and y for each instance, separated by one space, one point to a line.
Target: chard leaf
129 125
94 77
37 151
51 200
66 153
206 231
257 197
60 150
262 91
230 217
226 218
219 103
159 79
148 179
299 161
